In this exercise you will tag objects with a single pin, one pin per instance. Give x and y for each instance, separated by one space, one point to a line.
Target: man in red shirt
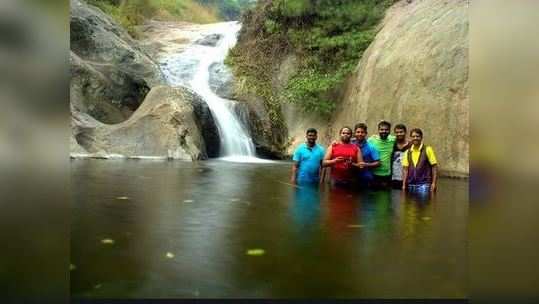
342 157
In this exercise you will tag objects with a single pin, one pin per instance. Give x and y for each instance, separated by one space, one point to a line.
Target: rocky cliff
119 105
414 72
110 73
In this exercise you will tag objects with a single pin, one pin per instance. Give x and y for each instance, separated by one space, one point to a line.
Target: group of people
379 161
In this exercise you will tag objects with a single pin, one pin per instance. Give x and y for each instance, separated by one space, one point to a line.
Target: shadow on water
312 242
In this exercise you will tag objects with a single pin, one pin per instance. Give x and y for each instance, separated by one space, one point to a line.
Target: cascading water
192 68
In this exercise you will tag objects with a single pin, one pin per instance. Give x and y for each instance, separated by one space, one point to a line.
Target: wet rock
265 136
210 40
206 124
221 81
181 71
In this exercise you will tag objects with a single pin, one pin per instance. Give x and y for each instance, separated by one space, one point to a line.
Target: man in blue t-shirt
371 157
307 160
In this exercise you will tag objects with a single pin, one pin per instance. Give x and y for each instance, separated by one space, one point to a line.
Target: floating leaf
255 252
234 199
356 226
107 241
170 255
426 218
122 198
72 267
188 201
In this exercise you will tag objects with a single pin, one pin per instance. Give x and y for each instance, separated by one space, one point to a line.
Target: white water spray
192 68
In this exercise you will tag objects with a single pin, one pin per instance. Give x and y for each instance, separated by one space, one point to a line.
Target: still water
151 229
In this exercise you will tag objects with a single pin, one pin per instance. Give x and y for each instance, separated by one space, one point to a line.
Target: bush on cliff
329 37
130 13
230 9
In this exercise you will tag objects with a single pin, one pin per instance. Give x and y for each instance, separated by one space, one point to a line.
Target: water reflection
343 208
306 209
316 242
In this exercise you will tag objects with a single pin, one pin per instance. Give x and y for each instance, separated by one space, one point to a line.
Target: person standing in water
419 166
371 159
307 160
383 142
401 145
342 157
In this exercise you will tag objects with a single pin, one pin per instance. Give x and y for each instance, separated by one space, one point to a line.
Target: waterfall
191 68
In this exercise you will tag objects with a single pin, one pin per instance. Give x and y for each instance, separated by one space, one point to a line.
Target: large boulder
416 72
165 125
110 73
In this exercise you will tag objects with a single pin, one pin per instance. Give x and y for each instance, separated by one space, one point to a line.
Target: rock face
206 124
221 81
210 40
165 125
416 72
265 136
110 73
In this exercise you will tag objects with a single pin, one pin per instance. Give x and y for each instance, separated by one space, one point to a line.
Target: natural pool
152 229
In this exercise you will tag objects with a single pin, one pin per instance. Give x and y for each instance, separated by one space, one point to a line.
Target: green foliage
271 26
130 13
294 8
329 36
113 9
229 9
309 88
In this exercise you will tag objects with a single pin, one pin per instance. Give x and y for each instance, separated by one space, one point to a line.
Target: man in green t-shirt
384 143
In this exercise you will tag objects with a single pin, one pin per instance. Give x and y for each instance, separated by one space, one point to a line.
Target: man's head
417 136
311 136
400 132
346 134
384 127
360 131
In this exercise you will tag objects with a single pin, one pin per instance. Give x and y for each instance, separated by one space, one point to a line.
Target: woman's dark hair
416 130
311 130
360 126
400 127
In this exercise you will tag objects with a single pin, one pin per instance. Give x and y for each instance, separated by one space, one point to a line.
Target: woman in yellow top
420 173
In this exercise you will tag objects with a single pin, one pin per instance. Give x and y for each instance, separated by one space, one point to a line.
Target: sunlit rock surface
165 126
416 72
